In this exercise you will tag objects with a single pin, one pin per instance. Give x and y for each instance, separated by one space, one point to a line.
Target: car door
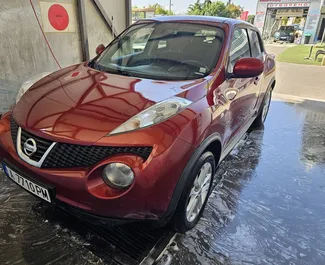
241 93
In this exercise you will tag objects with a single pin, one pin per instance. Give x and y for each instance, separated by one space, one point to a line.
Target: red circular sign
58 17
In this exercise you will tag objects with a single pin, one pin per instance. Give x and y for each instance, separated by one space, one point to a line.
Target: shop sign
288 5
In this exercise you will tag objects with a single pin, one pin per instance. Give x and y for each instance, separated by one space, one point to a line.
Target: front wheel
264 110
195 194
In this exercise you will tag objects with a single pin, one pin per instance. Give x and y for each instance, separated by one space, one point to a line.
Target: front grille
42 145
14 130
70 155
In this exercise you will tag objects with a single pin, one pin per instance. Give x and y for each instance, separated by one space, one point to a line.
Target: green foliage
160 10
218 9
297 54
251 19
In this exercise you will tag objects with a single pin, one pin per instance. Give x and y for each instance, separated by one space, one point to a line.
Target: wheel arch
215 148
213 144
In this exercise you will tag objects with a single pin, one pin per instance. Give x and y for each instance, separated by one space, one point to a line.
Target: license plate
27 184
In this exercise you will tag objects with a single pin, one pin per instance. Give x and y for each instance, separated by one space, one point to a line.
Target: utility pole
229 2
170 7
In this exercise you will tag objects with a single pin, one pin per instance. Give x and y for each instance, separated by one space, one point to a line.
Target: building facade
309 14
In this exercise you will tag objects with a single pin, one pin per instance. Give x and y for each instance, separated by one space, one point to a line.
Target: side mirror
100 49
248 67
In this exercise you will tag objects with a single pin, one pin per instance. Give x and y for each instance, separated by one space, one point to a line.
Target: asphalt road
297 81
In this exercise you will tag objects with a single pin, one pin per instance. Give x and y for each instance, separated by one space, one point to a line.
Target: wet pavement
268 208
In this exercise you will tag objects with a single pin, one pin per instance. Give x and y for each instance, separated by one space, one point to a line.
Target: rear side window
255 43
239 48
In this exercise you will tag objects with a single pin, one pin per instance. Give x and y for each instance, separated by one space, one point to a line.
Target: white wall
24 53
115 9
98 33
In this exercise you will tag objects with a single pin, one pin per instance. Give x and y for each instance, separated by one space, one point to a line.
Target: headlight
291 33
27 85
153 115
118 175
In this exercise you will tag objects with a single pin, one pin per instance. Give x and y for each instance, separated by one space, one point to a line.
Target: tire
183 220
260 119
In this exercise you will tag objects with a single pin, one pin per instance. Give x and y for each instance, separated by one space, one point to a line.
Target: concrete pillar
313 19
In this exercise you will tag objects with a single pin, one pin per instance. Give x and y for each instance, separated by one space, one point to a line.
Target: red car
138 132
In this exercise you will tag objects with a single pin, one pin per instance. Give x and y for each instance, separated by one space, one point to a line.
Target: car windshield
163 51
287 29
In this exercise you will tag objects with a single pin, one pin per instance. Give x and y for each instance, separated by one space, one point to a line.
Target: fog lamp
118 175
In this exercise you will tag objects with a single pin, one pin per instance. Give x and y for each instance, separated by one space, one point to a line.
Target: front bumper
284 38
84 191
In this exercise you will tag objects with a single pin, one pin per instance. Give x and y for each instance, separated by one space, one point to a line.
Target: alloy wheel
199 192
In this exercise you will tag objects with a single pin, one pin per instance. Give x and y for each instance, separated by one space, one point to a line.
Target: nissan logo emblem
30 147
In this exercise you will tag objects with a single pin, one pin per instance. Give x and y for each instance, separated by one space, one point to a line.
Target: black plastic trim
94 218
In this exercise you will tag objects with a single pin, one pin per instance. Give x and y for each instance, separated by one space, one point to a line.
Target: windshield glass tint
287 29
164 51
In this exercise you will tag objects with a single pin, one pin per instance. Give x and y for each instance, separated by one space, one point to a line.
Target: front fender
186 172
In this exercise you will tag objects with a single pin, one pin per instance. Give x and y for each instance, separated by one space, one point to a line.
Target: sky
180 6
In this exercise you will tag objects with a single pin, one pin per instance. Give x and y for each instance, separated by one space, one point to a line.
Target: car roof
229 21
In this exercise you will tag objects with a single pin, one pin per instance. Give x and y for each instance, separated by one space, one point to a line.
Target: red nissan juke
138 132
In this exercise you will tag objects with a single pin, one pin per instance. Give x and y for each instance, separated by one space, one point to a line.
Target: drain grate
127 244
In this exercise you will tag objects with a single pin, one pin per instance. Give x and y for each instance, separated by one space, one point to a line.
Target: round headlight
118 175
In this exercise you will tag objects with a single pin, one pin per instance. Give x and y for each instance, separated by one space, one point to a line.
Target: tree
160 10
218 8
234 10
251 19
195 9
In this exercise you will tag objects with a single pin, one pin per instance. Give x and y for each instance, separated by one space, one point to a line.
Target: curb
291 98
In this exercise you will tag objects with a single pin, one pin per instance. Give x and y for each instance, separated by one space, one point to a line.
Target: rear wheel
195 194
264 110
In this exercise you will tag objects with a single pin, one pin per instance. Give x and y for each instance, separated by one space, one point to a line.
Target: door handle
231 94
257 80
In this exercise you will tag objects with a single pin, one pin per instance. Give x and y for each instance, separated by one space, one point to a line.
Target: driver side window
239 48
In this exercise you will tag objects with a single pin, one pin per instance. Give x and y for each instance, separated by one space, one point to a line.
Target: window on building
239 48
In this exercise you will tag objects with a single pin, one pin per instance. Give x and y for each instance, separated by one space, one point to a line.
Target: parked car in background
285 33
137 133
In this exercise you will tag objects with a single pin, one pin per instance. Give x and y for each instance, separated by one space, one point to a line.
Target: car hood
80 103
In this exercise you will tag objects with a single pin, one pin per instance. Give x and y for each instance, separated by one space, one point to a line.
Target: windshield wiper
126 73
102 68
